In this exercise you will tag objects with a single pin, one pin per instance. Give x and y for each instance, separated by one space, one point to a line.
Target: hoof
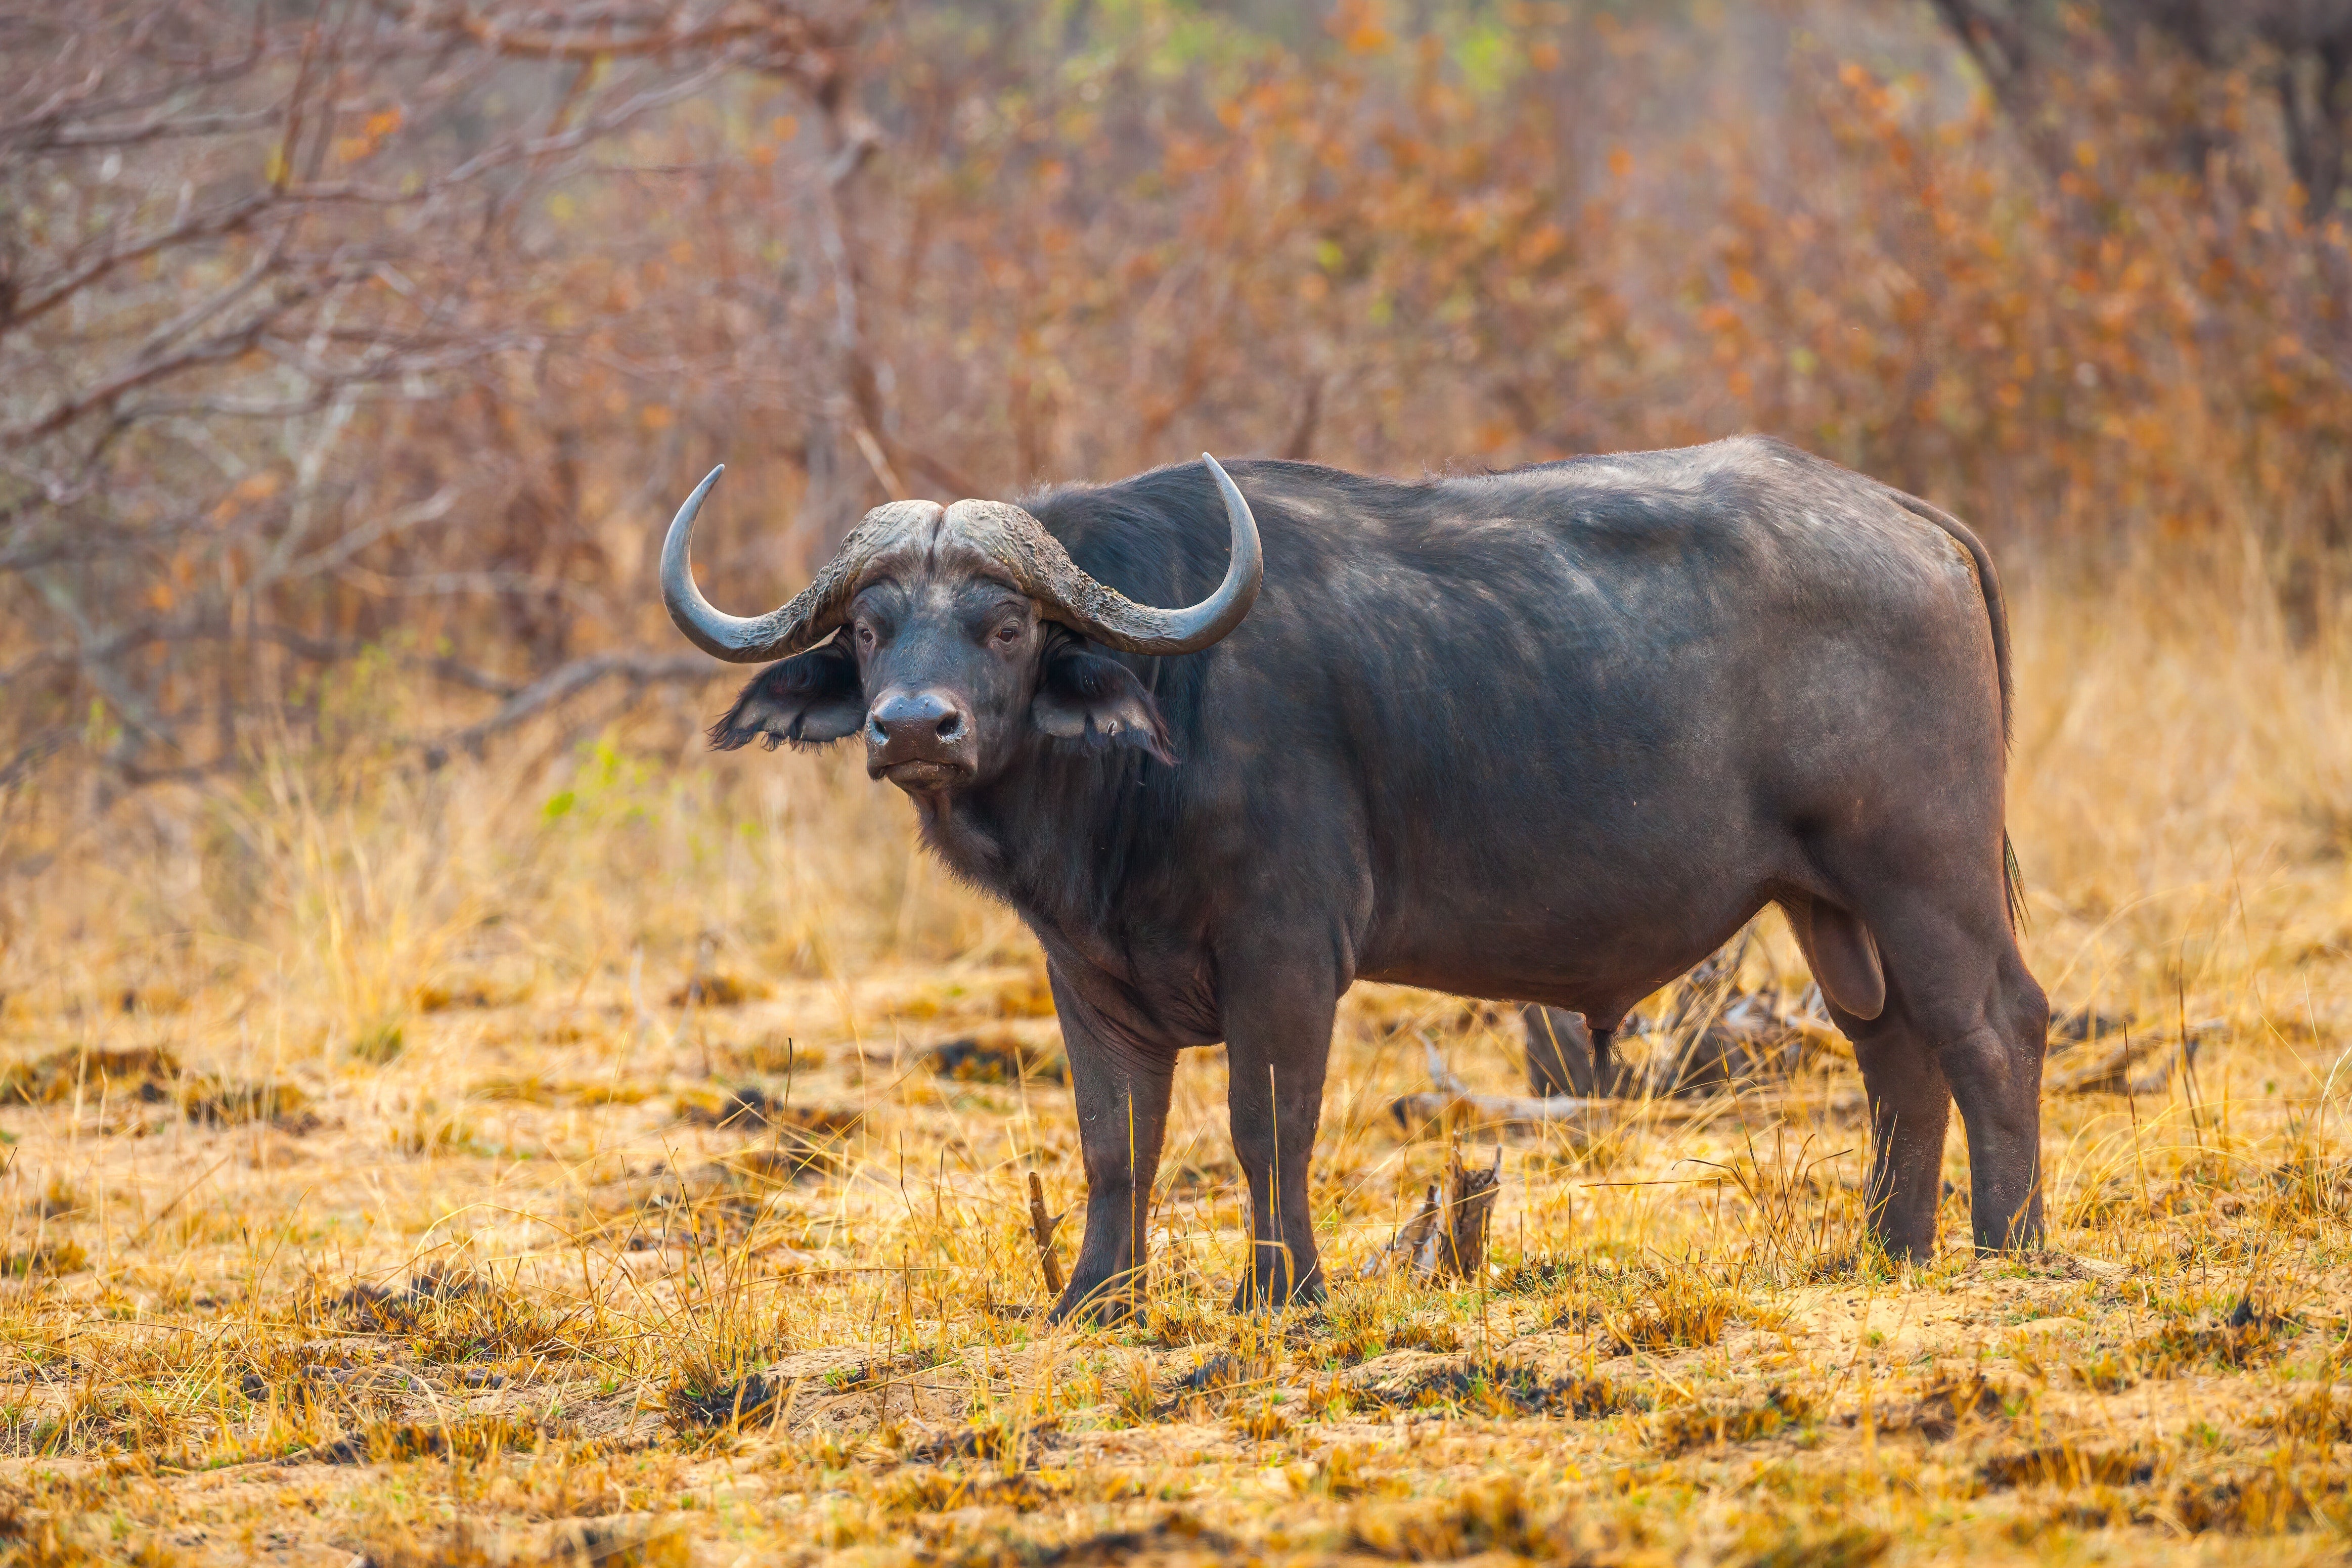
1100 1304
1254 1296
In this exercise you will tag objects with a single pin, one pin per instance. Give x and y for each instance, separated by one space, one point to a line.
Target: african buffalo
1548 736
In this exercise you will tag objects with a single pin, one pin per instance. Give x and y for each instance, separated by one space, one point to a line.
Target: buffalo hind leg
1122 1103
1963 1021
1277 1021
1560 1053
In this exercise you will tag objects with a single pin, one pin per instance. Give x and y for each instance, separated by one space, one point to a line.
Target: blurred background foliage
361 347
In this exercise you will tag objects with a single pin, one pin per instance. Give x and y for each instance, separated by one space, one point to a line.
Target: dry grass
548 1161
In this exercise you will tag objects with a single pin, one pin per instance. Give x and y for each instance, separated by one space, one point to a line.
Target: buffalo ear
805 701
1086 697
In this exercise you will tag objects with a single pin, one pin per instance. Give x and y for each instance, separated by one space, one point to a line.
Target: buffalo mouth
921 774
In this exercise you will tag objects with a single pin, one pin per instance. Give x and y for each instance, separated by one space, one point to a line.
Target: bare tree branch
561 685
286 287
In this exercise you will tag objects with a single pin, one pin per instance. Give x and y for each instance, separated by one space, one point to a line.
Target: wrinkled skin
1549 736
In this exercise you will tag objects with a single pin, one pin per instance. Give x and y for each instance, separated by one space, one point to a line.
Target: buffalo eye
1008 634
865 638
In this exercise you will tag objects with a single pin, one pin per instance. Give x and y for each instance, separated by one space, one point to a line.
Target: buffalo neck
1082 844
1063 836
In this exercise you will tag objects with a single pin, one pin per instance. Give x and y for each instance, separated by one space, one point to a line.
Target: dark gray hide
1548 736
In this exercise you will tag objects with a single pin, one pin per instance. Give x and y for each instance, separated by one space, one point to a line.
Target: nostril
874 732
951 726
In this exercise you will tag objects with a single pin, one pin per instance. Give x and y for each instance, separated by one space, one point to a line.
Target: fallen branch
1042 1226
1458 1250
1447 1239
1712 1040
1409 1238
567 680
1452 1099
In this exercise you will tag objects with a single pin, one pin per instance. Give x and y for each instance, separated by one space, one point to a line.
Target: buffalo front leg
1277 1046
1122 1103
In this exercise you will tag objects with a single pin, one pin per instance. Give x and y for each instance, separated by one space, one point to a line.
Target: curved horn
799 625
1043 567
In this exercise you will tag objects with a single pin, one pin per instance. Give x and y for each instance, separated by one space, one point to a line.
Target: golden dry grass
535 1161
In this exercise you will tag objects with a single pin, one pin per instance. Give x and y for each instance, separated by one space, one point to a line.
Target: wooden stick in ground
1453 1097
1407 1247
1469 1210
1455 1244
1042 1225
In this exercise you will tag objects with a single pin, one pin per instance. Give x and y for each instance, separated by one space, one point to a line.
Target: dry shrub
996 1443
78 1543
1487 1515
1346 1473
1855 1546
58 1200
794 1156
1177 1321
1000 1058
1541 1276
922 1490
2247 1337
111 1418
1693 1427
450 1313
380 1043
2268 1502
720 990
475 1438
1504 1388
1261 1420
1134 1395
536 1090
1949 1403
2321 1417
801 1141
154 1074
1026 994
1363 1322
144 1071
644 1541
1175 1534
773 1055
477 992
1679 1309
1223 1381
2069 1464
227 1103
700 1396
55 1255
640 1540
750 1105
432 1131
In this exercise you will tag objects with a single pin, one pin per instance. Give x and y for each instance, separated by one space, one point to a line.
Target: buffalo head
944 634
